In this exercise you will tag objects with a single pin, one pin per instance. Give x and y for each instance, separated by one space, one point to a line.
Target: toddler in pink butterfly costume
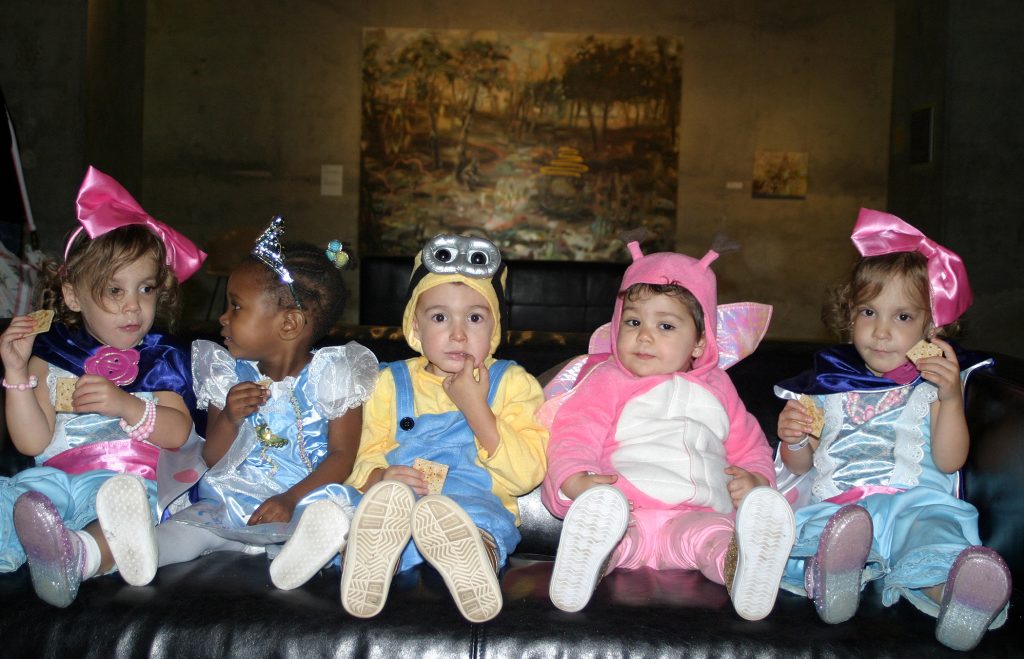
653 459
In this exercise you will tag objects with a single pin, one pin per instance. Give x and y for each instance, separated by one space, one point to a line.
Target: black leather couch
224 604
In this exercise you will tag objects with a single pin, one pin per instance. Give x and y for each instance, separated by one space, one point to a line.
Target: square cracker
818 424
433 472
923 349
43 318
65 392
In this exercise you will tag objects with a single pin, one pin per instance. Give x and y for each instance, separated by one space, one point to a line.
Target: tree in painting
552 146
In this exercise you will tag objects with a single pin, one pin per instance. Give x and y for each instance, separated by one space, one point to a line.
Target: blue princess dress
279 445
875 451
88 449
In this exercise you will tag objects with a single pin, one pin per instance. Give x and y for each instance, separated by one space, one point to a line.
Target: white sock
91 549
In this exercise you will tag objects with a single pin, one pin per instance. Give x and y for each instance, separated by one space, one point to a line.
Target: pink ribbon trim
122 455
862 492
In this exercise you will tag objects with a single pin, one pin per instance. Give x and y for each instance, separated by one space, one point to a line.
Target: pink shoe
832 577
55 554
978 588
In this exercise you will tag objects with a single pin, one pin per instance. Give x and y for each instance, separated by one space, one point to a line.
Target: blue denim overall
448 439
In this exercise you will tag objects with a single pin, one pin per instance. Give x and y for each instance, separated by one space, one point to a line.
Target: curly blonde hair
92 262
867 279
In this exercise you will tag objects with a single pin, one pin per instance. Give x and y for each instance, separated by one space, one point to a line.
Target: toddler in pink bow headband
926 283
873 437
97 392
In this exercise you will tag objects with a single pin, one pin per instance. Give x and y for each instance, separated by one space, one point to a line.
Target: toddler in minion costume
453 409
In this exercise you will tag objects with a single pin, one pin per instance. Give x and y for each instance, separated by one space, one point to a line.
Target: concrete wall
963 59
42 70
243 106
243 103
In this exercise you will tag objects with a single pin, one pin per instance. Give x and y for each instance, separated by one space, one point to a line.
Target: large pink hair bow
104 205
877 233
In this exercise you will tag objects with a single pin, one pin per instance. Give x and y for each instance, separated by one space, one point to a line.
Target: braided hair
318 284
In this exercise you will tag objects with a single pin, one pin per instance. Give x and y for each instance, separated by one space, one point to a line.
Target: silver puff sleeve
340 378
213 373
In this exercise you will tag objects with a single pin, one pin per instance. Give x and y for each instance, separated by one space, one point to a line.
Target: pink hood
671 268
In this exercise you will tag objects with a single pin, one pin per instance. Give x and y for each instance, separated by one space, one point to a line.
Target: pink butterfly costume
668 438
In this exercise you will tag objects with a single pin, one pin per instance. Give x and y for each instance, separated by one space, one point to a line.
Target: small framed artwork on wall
780 175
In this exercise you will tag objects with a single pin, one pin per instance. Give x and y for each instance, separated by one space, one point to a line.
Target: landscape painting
553 146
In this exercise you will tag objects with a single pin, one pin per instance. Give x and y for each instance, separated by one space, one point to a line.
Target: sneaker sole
319 536
977 590
379 532
52 563
451 542
765 531
592 529
122 508
839 563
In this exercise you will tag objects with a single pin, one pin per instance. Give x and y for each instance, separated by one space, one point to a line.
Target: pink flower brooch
119 366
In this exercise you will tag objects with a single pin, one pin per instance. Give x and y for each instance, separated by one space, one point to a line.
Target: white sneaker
592 529
122 508
379 533
452 543
765 531
318 537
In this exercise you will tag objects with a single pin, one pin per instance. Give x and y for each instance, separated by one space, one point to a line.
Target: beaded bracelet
135 426
144 428
799 445
32 383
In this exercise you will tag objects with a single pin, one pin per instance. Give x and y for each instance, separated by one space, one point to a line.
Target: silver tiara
268 250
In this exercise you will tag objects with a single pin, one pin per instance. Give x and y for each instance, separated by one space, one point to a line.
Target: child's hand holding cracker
434 474
942 370
794 423
95 393
17 340
407 475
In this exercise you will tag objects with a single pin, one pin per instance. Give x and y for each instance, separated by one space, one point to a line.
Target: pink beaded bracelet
31 384
145 426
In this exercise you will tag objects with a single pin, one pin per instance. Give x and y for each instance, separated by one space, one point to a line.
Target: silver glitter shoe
55 554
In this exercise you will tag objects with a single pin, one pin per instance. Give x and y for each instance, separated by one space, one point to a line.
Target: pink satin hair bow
104 205
877 233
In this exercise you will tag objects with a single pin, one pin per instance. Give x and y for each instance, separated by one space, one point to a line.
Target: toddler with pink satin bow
876 492
132 388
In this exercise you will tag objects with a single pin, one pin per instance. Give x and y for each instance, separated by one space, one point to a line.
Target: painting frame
554 146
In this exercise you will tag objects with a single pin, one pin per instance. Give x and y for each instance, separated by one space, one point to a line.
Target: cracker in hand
818 422
42 318
923 349
434 474
65 392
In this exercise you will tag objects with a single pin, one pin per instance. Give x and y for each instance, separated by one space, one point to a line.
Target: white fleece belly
670 445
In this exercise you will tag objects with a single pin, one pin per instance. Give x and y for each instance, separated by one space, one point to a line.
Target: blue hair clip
268 250
339 254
